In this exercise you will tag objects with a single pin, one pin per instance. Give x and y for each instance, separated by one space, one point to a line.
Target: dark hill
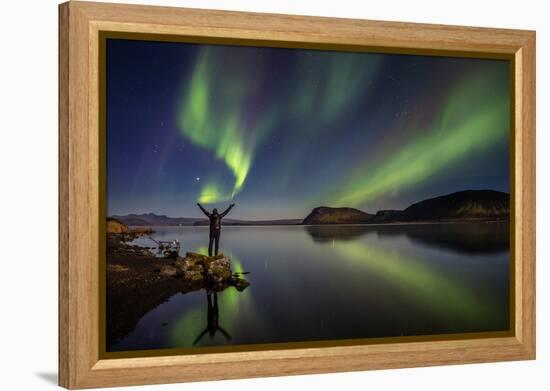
469 204
482 205
327 215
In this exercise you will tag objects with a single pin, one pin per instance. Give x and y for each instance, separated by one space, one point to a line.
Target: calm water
338 282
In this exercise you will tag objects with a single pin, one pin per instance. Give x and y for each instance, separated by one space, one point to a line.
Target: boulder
115 226
214 272
188 263
239 283
193 275
170 271
219 270
196 257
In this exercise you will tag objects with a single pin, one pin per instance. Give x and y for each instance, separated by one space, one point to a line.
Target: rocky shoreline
137 281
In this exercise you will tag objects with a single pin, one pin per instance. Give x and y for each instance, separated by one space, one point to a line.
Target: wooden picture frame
80 186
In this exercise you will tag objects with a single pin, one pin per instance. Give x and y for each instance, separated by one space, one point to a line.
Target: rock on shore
212 272
117 227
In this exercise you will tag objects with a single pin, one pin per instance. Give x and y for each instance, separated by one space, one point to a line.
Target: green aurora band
424 285
220 133
475 115
220 112
230 116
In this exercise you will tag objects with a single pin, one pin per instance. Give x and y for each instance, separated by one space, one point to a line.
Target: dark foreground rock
170 271
214 272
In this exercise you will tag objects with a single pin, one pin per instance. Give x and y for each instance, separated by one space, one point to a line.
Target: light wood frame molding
80 365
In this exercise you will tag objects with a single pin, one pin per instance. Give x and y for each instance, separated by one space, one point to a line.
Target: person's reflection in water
213 316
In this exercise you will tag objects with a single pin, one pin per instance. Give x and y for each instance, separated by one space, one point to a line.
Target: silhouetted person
215 227
213 317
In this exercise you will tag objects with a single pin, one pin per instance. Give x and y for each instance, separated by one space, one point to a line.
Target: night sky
281 131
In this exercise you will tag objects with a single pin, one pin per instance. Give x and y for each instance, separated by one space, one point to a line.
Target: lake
311 283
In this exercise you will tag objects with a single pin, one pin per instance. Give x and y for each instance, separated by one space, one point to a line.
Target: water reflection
467 238
329 233
333 282
426 287
212 319
227 307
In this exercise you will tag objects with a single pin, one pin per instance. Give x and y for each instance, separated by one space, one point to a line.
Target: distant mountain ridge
485 205
151 219
481 205
468 204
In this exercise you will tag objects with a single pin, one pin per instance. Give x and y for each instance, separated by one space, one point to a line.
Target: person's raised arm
203 210
227 210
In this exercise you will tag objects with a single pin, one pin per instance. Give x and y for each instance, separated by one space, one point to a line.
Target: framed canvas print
248 195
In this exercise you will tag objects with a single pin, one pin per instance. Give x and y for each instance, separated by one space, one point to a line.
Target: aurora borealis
231 116
281 131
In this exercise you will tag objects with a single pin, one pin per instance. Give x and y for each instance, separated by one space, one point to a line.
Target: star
198 179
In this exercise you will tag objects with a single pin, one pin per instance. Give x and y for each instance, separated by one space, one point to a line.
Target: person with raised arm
215 227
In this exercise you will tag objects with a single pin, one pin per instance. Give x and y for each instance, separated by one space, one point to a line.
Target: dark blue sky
280 131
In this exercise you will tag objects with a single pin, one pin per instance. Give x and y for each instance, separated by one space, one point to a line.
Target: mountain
484 205
462 205
327 215
151 219
469 204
